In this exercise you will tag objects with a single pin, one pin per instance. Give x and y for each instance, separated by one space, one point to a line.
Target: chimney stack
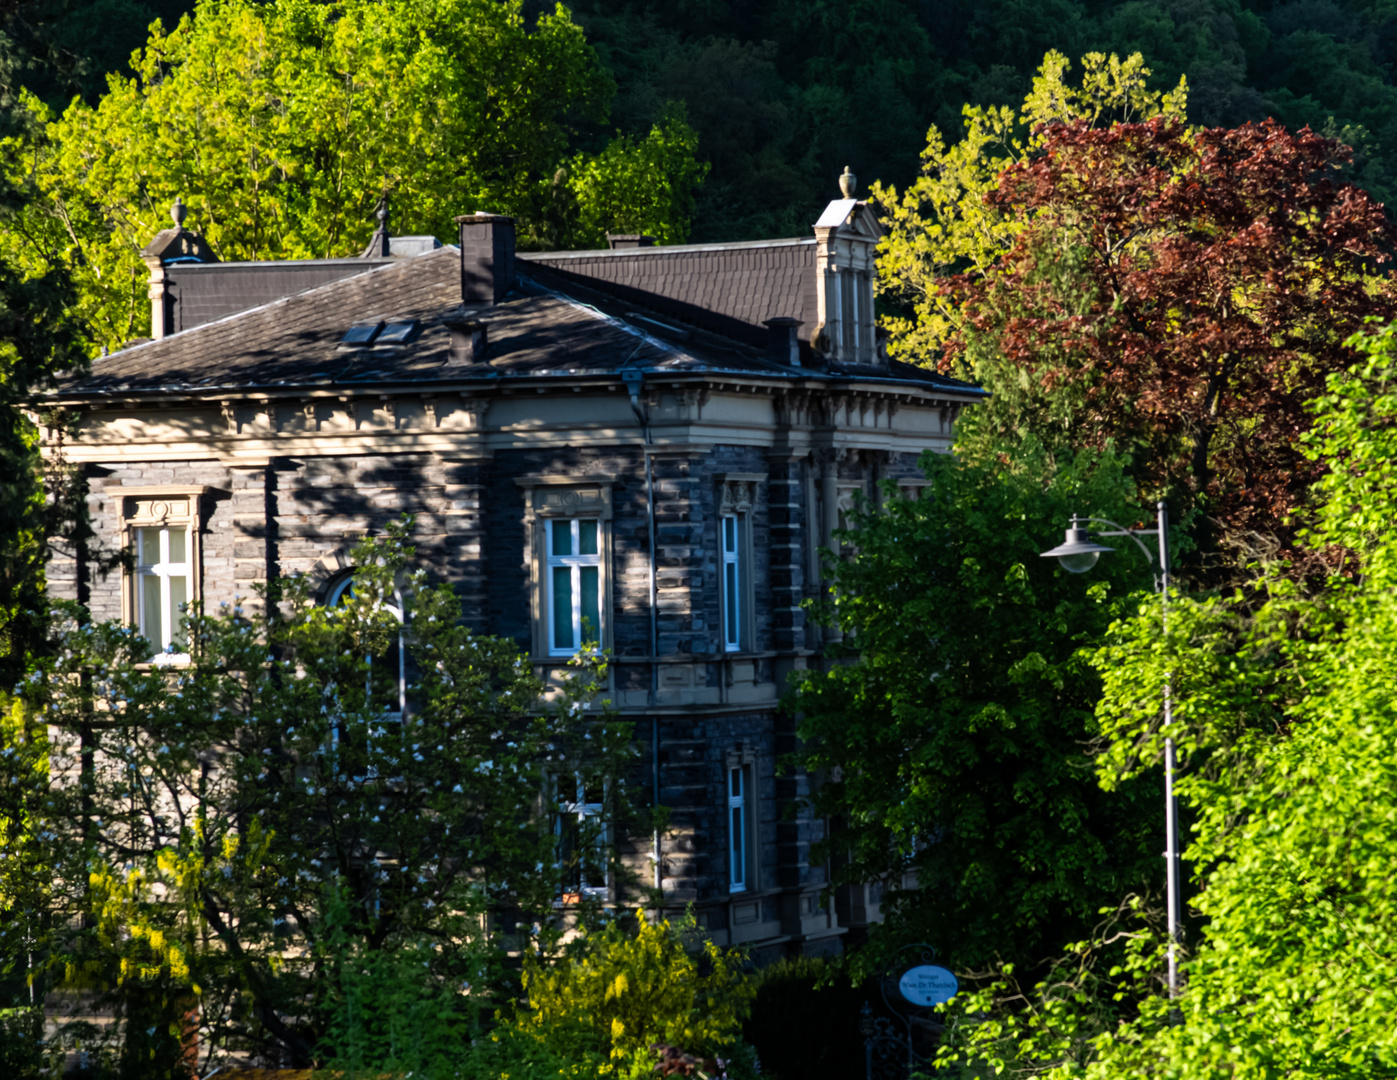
487 258
782 344
468 342
629 240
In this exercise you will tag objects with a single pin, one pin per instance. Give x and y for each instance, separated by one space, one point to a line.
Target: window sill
166 660
573 899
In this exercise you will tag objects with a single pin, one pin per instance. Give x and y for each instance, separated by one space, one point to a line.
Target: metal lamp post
1077 554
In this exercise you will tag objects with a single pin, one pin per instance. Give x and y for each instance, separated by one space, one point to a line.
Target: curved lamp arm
1121 530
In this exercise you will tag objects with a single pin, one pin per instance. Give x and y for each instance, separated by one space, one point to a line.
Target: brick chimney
487 258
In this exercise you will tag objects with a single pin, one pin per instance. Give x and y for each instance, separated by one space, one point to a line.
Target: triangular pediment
863 223
178 244
853 219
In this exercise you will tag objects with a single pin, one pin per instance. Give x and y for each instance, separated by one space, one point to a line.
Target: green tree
955 749
624 991
1284 720
244 833
942 224
1183 294
39 337
282 124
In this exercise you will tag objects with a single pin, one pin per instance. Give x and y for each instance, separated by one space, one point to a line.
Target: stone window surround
158 506
738 493
745 758
550 496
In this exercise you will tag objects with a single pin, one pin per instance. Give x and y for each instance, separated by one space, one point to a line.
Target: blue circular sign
928 984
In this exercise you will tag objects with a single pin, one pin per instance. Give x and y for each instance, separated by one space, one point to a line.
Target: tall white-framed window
160 530
583 837
573 583
163 587
739 497
568 519
391 665
739 826
733 614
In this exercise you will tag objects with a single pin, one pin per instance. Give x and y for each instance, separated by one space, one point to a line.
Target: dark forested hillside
785 93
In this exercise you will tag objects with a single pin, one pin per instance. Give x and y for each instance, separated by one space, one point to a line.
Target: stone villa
655 442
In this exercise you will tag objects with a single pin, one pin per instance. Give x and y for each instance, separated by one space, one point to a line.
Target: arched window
392 664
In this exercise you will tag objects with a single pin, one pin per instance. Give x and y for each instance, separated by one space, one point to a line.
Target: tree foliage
943 224
784 94
955 749
1183 295
282 124
39 337
605 1008
238 832
1283 716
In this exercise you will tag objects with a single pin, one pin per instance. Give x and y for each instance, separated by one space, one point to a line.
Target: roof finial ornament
848 183
378 243
177 212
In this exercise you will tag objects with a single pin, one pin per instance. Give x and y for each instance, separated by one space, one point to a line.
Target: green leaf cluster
623 992
251 830
941 224
1284 708
282 124
954 752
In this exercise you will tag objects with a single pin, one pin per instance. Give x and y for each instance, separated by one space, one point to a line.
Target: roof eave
494 382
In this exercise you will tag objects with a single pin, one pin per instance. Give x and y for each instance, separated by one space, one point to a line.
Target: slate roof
538 331
726 289
206 292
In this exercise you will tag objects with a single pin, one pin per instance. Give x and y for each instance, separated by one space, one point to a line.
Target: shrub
625 992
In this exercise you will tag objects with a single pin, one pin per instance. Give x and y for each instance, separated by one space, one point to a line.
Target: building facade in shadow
647 446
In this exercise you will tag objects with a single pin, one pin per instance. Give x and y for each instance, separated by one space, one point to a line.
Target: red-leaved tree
1184 294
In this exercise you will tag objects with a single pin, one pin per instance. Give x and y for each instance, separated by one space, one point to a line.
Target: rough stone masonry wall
693 756
105 505
789 518
304 514
321 507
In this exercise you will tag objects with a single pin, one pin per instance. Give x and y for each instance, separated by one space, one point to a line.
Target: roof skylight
362 333
397 333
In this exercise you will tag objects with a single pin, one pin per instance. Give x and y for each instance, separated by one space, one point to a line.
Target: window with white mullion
731 527
574 584
582 836
162 586
737 828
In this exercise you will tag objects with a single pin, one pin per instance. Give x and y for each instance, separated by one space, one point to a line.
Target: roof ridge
667 249
183 335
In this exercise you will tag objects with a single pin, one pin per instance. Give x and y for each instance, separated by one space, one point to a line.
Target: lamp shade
1078 552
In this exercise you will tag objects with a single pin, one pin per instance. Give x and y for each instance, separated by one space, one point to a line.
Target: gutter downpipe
634 381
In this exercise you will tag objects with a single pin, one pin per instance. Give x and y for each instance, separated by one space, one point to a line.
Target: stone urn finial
177 212
848 183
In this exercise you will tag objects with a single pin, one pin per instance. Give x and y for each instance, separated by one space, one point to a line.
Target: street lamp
1077 554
